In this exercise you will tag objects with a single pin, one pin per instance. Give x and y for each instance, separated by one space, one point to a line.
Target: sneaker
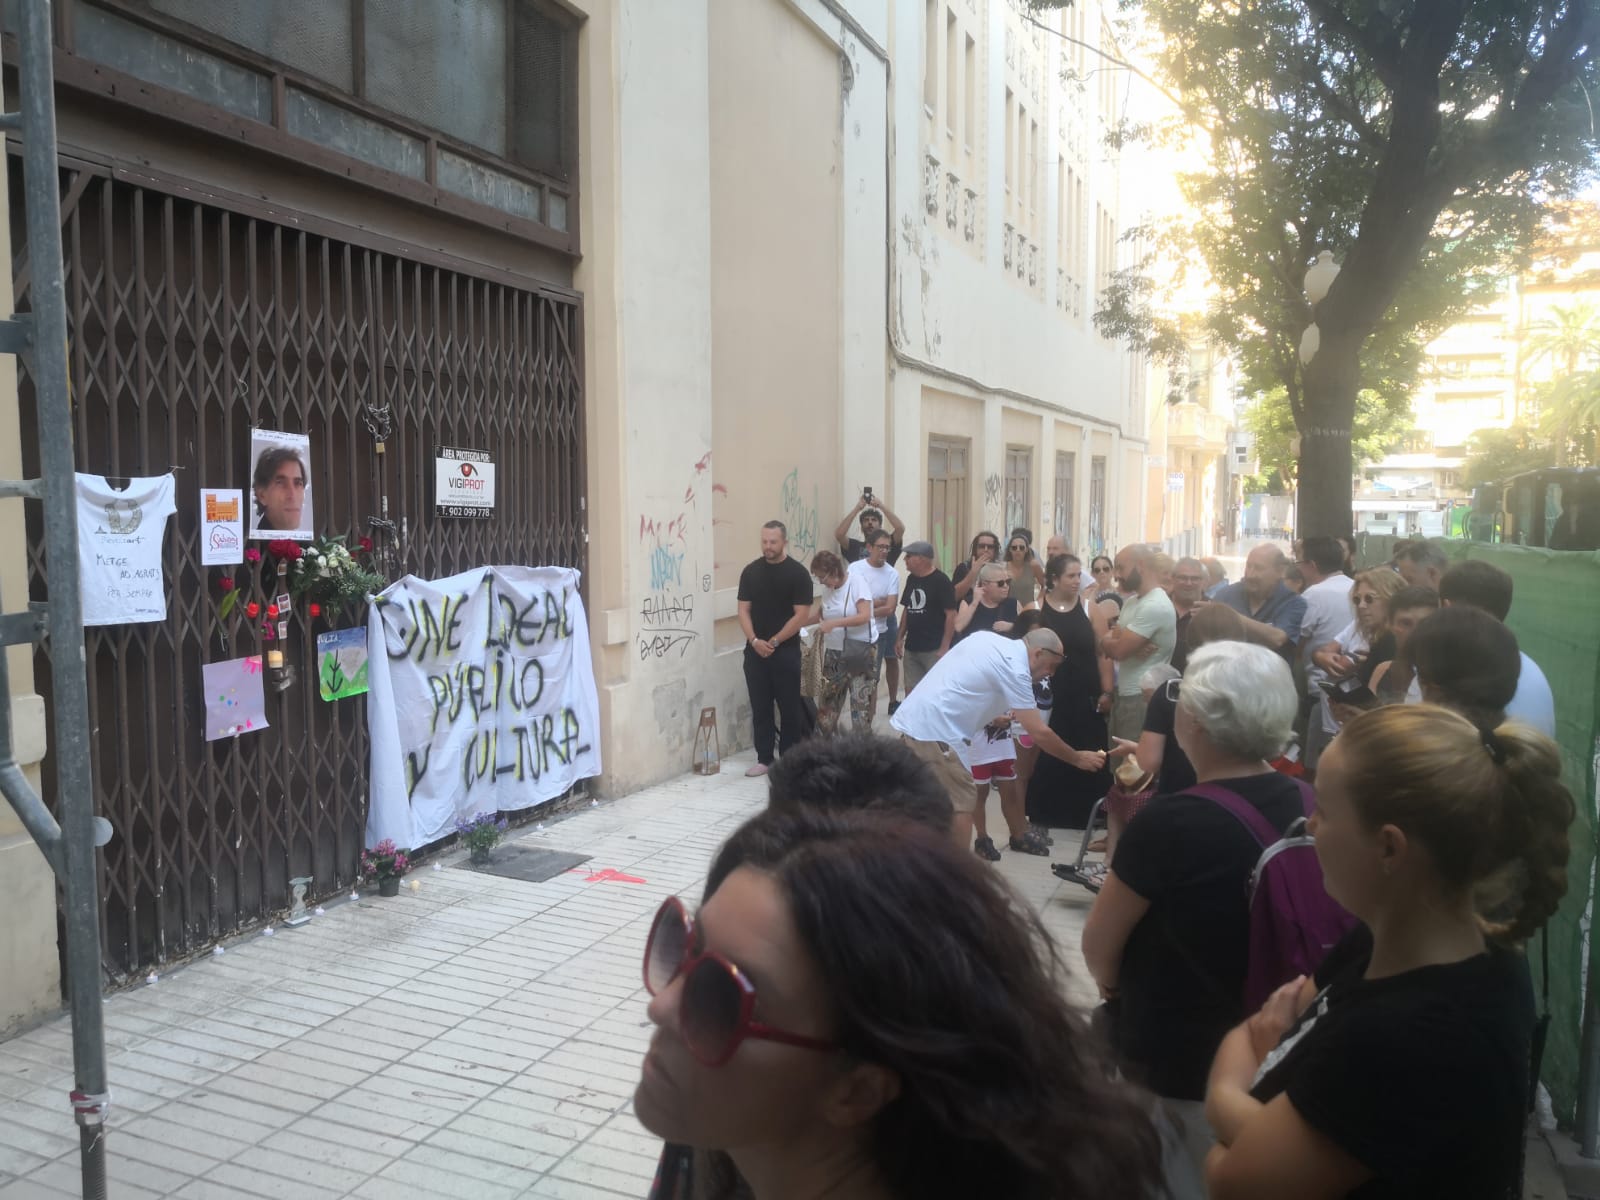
1030 843
758 769
893 705
984 848
1041 833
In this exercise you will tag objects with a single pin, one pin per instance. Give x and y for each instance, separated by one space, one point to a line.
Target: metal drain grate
527 863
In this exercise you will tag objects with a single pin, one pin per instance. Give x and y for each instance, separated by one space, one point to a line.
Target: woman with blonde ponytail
1401 1069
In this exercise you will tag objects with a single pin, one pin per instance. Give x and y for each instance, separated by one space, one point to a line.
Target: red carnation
226 583
252 609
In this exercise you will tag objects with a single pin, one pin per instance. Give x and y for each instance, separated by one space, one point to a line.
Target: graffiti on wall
993 500
799 515
665 625
666 610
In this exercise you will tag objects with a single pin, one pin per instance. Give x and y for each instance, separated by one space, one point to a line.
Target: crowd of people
1358 763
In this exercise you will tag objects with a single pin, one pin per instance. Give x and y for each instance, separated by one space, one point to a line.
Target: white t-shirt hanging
121 532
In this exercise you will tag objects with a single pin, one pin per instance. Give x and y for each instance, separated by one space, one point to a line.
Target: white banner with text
482 698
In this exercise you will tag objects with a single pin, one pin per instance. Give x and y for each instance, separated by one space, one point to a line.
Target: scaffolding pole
69 846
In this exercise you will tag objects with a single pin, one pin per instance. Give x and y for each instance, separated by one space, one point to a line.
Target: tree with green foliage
1415 139
1379 424
1569 401
1496 454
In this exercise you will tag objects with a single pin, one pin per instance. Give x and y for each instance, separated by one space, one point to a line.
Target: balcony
1191 427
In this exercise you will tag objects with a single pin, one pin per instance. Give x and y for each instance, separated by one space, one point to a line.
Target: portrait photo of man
280 485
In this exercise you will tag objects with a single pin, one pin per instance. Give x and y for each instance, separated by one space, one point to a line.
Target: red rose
272 611
366 543
316 610
252 555
252 609
226 583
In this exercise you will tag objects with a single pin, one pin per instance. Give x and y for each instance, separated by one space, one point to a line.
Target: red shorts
1004 769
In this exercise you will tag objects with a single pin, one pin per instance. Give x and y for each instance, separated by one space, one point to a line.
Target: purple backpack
1293 920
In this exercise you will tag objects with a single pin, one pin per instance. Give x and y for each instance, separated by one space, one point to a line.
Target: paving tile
259 1183
478 1039
32 1189
68 1177
281 1164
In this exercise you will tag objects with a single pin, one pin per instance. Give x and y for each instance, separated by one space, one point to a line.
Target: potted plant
385 862
481 834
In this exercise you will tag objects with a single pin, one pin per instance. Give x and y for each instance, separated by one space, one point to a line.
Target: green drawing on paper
342 663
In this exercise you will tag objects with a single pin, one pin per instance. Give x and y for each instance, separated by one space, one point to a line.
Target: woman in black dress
1060 796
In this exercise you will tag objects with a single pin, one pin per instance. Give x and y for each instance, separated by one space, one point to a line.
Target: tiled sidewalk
478 1038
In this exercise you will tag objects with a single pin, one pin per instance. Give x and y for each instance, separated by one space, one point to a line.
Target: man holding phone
872 518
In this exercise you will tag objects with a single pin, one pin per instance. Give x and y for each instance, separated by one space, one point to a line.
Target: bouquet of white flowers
327 572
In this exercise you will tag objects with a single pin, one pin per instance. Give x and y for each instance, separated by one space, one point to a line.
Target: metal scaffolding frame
68 845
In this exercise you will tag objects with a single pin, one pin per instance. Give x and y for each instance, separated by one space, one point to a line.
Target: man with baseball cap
929 600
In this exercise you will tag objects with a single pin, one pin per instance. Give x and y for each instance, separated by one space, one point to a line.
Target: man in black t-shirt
855 549
774 598
929 600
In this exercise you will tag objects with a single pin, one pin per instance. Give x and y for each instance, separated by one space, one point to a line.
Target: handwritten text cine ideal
492 678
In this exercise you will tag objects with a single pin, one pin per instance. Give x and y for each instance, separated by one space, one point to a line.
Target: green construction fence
1555 614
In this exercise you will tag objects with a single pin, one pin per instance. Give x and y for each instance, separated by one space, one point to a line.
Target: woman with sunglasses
985 549
859 1009
990 608
1027 576
1100 572
1401 1069
1354 654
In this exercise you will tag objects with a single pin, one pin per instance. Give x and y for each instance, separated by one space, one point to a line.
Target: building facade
682 267
1007 407
1485 372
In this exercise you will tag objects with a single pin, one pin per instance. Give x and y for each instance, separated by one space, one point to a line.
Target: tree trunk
1331 381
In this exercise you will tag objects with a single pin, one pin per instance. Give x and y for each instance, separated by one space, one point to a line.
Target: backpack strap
1240 809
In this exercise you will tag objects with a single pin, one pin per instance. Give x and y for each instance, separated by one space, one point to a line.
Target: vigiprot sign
463 482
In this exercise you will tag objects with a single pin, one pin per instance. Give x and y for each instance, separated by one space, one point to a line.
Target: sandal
1030 843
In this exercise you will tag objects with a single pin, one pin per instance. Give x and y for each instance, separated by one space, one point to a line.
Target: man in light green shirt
1145 636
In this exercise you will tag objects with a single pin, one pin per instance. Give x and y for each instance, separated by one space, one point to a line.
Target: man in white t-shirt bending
978 679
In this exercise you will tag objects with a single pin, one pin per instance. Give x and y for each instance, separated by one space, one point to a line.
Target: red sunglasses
718 1002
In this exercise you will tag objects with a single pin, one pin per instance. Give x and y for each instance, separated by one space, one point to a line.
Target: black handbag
857 656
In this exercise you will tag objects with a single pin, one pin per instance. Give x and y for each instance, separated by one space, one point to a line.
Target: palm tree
1569 401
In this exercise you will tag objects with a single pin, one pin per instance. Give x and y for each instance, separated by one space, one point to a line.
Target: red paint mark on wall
704 465
718 489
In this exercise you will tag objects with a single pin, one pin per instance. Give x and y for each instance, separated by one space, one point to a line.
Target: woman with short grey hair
1239 700
1168 938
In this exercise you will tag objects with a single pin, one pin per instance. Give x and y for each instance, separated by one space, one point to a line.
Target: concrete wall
733 207
30 969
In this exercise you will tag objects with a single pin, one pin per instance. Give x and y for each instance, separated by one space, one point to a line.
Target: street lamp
1319 278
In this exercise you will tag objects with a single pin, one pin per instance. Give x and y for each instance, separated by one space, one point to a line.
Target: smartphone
1357 697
